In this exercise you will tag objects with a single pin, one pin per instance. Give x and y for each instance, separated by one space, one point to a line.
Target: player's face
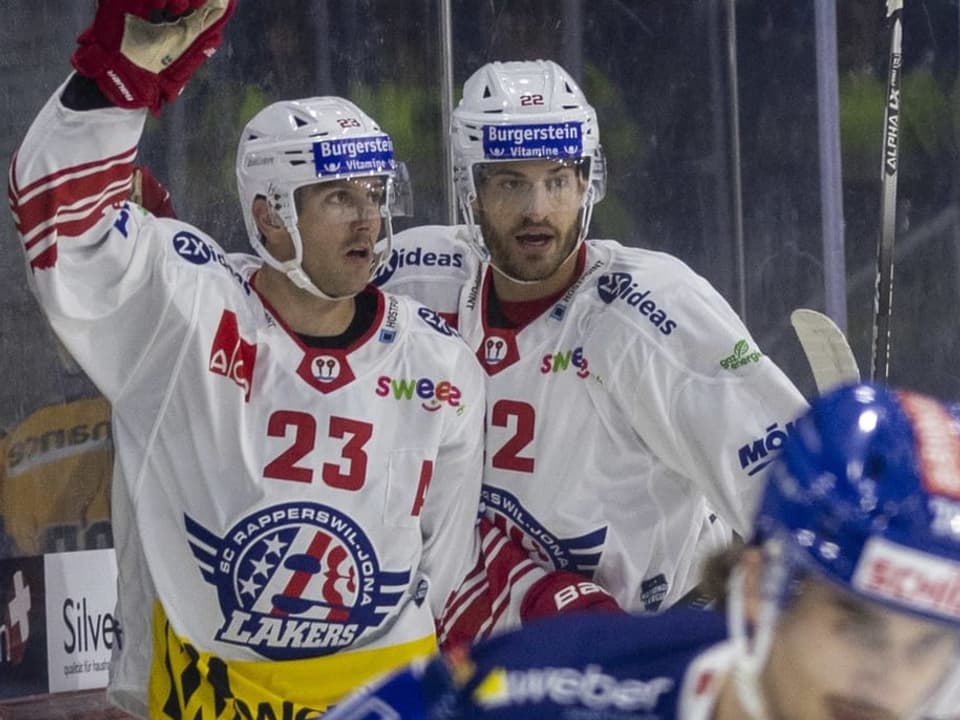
339 223
529 213
837 657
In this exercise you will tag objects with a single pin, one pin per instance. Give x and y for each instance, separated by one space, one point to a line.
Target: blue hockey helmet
867 493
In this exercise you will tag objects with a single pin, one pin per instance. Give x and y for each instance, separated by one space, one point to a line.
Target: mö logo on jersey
15 623
434 320
326 370
231 355
757 454
195 250
295 580
551 140
415 258
433 394
337 157
620 286
579 554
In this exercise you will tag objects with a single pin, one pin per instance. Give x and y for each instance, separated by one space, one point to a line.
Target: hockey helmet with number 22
523 111
295 143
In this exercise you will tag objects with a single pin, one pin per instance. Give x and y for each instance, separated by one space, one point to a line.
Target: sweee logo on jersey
231 355
295 580
15 623
433 394
620 286
561 360
415 258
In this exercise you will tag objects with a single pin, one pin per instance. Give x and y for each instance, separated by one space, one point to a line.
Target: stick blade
828 353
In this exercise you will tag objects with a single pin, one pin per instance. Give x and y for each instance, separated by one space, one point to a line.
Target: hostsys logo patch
295 580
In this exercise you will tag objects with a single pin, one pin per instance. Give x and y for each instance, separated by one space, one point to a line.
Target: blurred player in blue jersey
845 604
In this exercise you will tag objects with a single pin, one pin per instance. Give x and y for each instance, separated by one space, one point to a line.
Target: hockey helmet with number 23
295 143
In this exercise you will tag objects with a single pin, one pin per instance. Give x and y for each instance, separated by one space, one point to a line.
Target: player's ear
268 223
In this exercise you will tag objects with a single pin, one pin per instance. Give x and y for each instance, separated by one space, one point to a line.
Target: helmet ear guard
523 111
293 144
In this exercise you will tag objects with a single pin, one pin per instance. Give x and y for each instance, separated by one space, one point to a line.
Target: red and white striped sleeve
90 262
70 170
506 589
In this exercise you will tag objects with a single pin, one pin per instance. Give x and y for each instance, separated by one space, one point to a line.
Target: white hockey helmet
522 111
295 143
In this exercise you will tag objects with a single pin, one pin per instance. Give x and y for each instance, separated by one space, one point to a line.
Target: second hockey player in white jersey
626 401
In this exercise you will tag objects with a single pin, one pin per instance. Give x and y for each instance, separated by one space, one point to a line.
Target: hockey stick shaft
880 365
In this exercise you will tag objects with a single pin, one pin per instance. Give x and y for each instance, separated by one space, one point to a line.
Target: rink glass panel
659 75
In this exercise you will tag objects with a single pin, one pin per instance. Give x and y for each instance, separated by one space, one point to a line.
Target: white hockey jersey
620 419
289 521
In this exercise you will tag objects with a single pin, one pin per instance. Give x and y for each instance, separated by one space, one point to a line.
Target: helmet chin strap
295 273
749 662
753 649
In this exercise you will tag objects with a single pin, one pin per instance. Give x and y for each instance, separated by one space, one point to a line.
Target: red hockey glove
150 194
142 52
562 592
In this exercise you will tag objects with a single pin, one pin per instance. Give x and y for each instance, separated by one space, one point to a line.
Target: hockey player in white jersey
844 606
626 401
298 454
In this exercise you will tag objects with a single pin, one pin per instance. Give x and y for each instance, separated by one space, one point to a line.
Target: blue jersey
595 666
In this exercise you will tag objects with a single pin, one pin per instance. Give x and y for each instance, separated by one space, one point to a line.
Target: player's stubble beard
506 253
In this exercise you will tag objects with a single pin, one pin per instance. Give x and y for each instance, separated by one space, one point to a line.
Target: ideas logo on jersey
295 580
620 286
415 257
